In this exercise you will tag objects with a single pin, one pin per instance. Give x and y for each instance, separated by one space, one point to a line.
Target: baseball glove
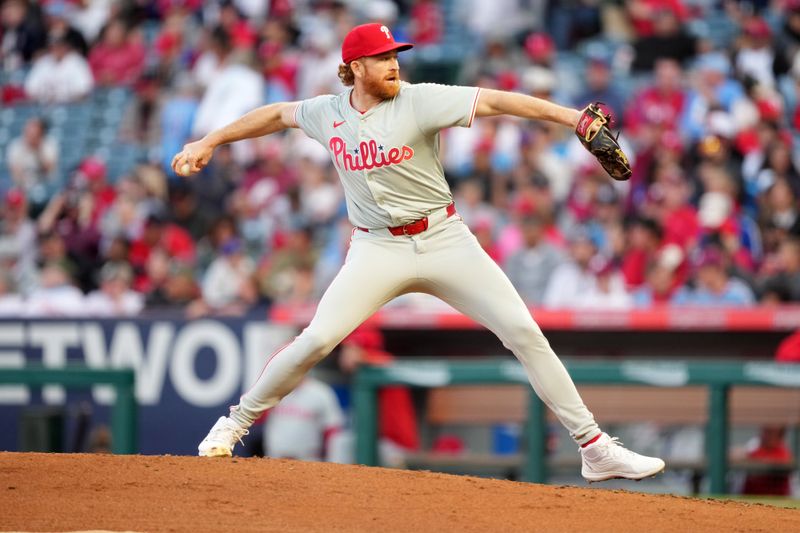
596 137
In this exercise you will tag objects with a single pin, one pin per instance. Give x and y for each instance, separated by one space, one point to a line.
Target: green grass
787 503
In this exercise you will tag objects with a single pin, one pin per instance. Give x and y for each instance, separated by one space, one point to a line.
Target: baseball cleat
222 438
606 458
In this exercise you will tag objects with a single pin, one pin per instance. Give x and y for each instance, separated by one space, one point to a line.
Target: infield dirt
50 492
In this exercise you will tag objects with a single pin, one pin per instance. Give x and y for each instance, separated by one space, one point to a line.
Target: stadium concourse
145 493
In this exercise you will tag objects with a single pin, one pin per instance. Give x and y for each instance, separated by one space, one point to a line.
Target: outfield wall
187 372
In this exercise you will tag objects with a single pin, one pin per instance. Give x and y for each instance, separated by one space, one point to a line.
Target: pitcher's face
381 75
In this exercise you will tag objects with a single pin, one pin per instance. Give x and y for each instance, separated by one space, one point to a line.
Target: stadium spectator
228 287
397 420
320 195
176 120
769 448
600 87
662 279
659 104
169 45
722 221
551 167
166 283
756 60
303 425
23 33
98 195
158 234
644 238
279 272
280 63
56 294
33 158
17 242
783 284
539 47
426 23
713 285
235 24
668 39
53 250
789 349
606 223
777 165
125 218
470 197
222 229
608 290
672 209
12 304
236 89
213 49
500 19
779 205
114 297
530 268
483 229
541 82
118 58
185 211
644 14
571 280
61 75
319 63
573 21
712 89
68 214
89 17
57 17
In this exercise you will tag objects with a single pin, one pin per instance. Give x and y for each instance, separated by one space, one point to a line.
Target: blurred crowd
705 94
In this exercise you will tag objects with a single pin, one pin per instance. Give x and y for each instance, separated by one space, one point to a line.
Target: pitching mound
44 492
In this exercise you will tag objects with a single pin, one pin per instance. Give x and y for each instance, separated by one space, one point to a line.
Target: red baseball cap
15 198
365 337
370 40
93 168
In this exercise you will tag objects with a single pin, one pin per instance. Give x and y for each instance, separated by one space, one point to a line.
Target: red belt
418 226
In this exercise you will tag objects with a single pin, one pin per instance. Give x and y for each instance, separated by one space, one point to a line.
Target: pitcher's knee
525 338
317 345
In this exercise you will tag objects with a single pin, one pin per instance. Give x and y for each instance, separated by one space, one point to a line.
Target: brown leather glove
596 137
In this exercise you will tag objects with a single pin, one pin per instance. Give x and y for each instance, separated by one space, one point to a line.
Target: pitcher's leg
372 275
463 275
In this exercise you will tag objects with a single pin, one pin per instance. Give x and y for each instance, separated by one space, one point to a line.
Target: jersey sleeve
309 115
442 106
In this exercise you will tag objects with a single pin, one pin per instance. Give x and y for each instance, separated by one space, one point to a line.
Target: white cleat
606 458
222 438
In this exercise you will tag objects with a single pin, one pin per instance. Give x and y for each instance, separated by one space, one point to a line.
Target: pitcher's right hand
196 155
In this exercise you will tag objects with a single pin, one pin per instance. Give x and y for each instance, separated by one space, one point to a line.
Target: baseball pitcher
383 139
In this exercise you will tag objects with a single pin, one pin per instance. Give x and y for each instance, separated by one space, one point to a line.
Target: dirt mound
47 492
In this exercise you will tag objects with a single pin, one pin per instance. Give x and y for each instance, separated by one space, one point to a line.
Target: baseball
185 169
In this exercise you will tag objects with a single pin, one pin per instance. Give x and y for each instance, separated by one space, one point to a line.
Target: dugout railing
718 377
123 411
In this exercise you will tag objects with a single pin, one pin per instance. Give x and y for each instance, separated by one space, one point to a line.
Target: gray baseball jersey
387 158
297 427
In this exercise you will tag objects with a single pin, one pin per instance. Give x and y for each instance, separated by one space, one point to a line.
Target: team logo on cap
385 30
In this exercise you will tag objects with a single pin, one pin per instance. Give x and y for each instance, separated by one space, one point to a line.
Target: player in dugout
383 137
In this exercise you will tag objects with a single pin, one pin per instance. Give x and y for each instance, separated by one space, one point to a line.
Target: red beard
381 88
